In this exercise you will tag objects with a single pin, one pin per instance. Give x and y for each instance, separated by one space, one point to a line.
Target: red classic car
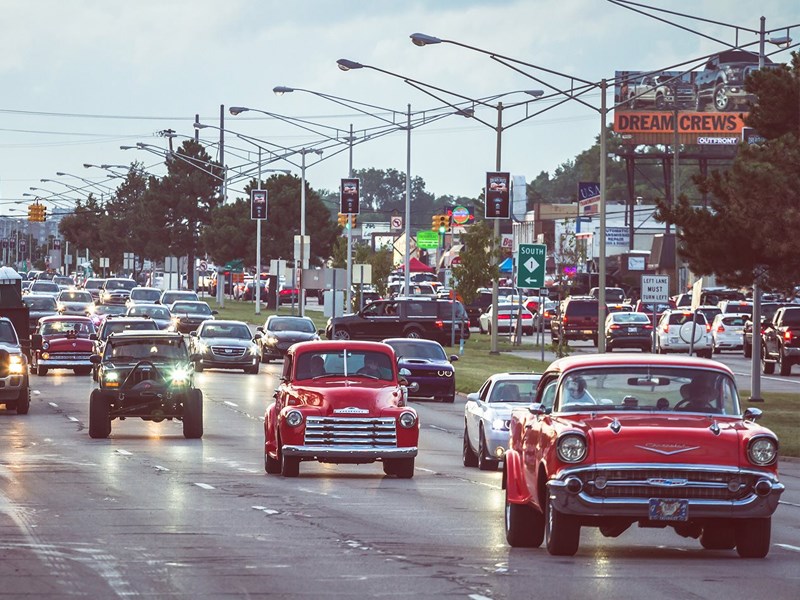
660 441
341 402
62 342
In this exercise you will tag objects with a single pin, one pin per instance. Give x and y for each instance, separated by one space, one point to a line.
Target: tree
82 227
751 225
475 269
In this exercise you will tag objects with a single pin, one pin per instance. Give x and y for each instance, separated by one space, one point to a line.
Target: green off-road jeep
149 375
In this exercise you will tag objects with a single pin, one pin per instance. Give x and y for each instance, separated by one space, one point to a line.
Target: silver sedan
487 414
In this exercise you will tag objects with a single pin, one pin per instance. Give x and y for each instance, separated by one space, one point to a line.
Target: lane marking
265 510
53 404
788 547
205 486
788 503
73 419
160 468
439 428
229 403
123 452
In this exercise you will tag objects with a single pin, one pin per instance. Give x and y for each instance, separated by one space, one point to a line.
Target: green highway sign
531 259
428 240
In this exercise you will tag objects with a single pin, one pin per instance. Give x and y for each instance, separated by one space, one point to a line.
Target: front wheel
562 532
524 525
193 415
341 334
99 416
784 366
290 465
402 468
721 100
24 400
468 456
753 537
271 465
485 463
414 333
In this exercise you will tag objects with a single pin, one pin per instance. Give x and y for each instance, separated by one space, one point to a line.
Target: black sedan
430 368
188 315
629 330
279 332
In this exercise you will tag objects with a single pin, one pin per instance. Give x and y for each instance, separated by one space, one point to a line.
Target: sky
80 78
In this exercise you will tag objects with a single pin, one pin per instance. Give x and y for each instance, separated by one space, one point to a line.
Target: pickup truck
780 341
721 82
662 92
15 390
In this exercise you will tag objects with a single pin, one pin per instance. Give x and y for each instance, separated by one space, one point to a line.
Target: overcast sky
80 78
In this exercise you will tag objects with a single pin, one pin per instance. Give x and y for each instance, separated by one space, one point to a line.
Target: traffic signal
353 221
342 220
32 212
435 222
444 223
42 213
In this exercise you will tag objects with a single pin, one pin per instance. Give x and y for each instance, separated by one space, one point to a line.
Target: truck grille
142 374
70 355
347 431
231 351
668 483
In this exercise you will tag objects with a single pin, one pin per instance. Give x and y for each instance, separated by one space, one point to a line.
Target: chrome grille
350 431
638 483
142 374
69 355
227 351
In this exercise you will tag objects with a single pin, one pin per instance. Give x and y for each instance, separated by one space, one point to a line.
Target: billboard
704 107
498 201
349 197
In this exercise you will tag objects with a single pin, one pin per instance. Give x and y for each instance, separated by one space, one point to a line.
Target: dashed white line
438 428
265 510
229 403
205 486
160 468
74 419
478 597
123 452
788 547
53 404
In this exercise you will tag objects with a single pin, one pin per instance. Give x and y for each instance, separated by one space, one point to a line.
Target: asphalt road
146 513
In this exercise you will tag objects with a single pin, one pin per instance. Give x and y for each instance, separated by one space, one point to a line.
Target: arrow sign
531 259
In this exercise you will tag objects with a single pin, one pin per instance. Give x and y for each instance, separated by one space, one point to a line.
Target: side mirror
214 312
260 329
92 336
404 372
36 341
752 414
537 408
413 386
473 397
320 332
95 359
193 333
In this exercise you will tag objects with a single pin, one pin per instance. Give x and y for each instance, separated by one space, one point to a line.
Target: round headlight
762 451
499 424
408 420
572 448
45 345
294 418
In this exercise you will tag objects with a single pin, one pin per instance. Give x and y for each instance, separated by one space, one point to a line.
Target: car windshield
120 284
45 286
143 349
81 328
514 390
226 330
625 318
191 308
40 303
8 333
647 389
74 296
364 363
120 326
410 349
151 295
109 309
93 284
150 310
292 324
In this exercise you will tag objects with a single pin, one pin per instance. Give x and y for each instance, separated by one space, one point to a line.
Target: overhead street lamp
347 65
89 183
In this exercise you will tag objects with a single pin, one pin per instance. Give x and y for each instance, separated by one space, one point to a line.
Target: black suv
576 319
145 374
411 317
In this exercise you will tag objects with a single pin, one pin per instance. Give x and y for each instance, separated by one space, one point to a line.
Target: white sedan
727 332
487 414
507 319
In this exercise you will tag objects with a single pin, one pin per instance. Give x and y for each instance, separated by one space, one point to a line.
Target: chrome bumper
55 363
349 452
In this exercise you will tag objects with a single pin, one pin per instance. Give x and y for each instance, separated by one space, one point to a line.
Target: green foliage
750 228
476 269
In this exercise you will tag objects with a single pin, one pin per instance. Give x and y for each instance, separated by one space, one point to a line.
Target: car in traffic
487 414
143 295
115 324
768 310
44 287
157 312
780 341
187 315
411 317
428 366
507 317
727 332
100 312
218 344
64 282
74 302
340 402
576 319
62 342
616 440
651 308
39 305
680 330
279 332
628 330
93 285
116 290
288 295
168 297
15 391
147 375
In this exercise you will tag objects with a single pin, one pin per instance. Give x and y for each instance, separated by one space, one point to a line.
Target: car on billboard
662 91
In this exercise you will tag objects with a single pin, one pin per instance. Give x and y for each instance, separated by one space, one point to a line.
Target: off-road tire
193 415
99 416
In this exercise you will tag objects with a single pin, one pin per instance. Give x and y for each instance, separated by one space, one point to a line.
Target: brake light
504 317
708 328
648 326
666 328
614 326
439 324
720 329
787 335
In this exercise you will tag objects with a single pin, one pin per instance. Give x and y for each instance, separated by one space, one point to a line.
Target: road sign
655 289
531 259
395 223
428 240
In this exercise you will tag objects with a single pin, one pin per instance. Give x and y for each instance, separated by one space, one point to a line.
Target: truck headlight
180 375
762 451
571 448
500 425
16 366
294 418
407 420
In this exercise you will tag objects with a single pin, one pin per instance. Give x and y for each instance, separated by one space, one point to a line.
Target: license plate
631 329
668 509
673 340
588 332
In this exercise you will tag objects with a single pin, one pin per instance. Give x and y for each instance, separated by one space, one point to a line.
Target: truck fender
514 479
